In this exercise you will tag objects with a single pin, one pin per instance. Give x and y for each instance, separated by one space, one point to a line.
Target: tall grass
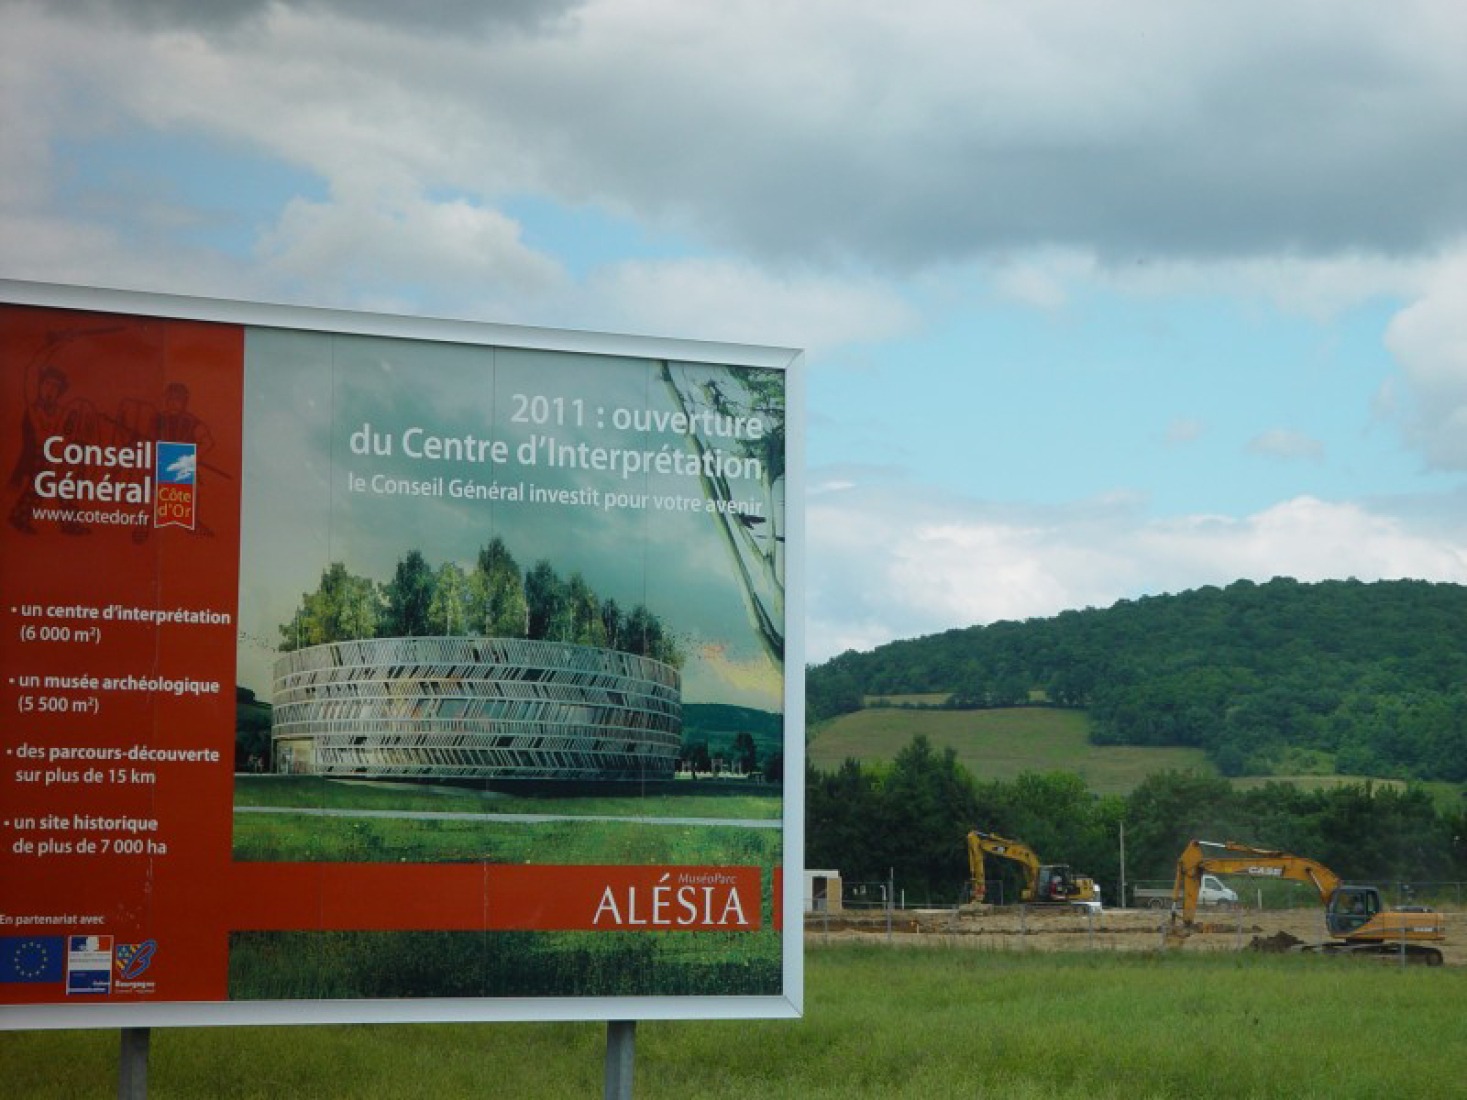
379 965
880 1022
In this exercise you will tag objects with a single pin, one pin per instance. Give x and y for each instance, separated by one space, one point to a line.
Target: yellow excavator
1044 883
1354 915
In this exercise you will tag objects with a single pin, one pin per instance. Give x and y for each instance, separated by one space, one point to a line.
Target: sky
1097 301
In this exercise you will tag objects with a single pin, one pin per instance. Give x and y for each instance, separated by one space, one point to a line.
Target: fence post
890 901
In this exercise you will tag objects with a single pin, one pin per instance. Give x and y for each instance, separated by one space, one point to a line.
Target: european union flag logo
32 958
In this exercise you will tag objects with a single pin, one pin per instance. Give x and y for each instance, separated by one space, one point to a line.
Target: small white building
822 891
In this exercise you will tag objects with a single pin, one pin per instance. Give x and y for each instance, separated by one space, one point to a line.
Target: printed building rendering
466 707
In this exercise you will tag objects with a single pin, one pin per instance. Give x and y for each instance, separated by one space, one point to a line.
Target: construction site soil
997 928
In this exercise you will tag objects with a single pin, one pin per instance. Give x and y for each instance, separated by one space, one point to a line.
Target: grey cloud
1305 135
432 16
906 142
1207 193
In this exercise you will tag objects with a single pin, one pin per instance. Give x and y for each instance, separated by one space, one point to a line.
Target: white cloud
1044 278
895 562
1319 287
1283 443
733 301
453 250
1429 340
1184 430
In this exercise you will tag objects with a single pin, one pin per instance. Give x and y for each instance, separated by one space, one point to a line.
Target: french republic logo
176 478
89 965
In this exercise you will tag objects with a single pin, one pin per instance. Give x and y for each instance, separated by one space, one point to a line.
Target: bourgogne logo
132 959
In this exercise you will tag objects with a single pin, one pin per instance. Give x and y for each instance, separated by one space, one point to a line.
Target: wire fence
1261 894
1255 895
1275 919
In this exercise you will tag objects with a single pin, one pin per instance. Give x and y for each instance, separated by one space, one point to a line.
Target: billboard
364 668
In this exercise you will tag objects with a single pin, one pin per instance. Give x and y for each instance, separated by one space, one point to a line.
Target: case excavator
1355 916
1044 883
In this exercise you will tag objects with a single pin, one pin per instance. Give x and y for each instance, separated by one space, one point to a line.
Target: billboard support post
132 1064
621 1048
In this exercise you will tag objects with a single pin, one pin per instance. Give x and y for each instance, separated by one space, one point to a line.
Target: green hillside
1276 679
1004 743
998 744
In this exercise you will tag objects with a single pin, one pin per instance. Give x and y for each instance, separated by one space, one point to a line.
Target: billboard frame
333 322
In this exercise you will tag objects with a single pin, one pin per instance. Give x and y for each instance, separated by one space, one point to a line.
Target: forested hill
1275 678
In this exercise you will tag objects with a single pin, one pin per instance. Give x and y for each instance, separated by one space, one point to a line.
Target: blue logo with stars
32 958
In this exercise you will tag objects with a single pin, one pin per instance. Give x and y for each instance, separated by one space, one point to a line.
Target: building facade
465 707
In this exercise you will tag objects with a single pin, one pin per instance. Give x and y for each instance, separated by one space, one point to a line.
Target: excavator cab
1350 908
1055 883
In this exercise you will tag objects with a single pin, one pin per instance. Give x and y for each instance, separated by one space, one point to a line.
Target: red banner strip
492 897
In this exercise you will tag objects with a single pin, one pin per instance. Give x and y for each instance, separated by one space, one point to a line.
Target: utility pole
1122 899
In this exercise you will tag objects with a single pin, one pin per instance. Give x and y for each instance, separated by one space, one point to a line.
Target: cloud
738 302
1042 279
1284 444
1429 341
1184 430
896 561
895 137
447 251
442 16
1166 129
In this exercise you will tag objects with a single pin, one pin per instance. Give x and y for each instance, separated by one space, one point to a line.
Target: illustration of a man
176 424
45 415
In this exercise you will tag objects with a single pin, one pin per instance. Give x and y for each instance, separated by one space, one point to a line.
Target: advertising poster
363 669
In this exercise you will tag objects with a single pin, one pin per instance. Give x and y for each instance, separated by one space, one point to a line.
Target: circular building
492 708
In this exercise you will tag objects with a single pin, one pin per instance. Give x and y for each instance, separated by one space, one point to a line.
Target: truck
1044 883
1355 917
1210 892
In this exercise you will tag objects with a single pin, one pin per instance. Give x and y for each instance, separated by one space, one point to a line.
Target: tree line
492 598
1279 678
910 820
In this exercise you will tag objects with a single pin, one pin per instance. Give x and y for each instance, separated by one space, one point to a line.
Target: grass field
998 744
576 836
347 794
881 1022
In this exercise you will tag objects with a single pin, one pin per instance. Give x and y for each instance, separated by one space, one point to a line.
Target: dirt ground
1015 929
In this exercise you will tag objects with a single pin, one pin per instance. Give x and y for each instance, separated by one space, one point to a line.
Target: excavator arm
981 844
1204 857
